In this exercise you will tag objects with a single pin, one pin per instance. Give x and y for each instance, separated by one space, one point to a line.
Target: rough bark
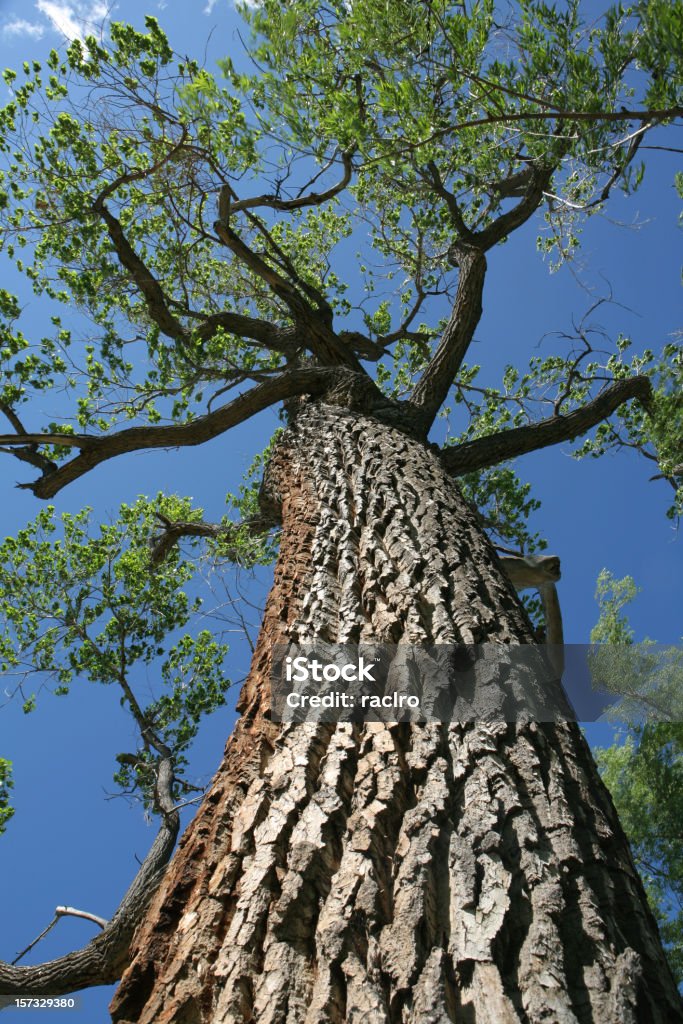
377 873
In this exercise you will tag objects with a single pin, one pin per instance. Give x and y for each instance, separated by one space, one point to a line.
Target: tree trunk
394 873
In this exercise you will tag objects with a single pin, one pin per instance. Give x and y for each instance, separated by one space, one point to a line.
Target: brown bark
382 873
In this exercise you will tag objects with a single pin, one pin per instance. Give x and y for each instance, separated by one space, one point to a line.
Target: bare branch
312 199
507 444
313 380
85 914
60 912
104 958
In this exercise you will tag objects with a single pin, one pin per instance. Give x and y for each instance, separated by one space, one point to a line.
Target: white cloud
21 27
74 20
210 4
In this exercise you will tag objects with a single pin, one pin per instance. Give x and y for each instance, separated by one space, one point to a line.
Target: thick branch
468 254
432 388
95 450
159 304
276 339
507 444
321 339
512 219
104 958
27 452
153 293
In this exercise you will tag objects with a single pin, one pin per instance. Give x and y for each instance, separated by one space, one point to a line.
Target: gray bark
394 873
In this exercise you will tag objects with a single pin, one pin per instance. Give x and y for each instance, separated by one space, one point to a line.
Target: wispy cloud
21 27
74 20
210 4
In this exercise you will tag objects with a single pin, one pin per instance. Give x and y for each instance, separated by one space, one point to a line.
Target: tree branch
104 958
286 340
28 452
664 114
173 530
468 254
436 182
507 444
60 912
431 390
159 304
312 199
315 380
152 292
322 340
85 914
497 230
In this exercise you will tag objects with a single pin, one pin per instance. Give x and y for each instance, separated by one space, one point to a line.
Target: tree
404 872
643 767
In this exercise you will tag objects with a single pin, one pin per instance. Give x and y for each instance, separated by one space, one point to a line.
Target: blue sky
70 844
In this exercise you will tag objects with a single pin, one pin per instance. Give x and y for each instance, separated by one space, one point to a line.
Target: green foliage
246 546
77 605
436 101
505 505
6 783
647 677
643 769
644 773
656 432
612 596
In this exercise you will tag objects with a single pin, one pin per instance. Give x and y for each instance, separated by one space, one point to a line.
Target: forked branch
468 253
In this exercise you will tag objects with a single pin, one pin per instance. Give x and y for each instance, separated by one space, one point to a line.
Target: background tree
369 870
642 768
